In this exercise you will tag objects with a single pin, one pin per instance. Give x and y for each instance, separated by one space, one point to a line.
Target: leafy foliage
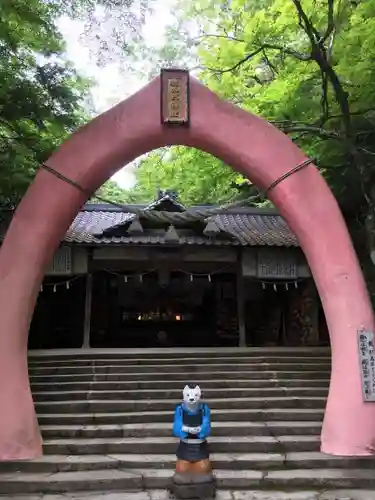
41 95
190 172
111 192
304 65
111 28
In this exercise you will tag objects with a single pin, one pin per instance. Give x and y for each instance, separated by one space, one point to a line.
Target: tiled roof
241 226
257 229
249 228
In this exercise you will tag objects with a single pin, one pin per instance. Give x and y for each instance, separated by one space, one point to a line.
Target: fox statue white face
192 395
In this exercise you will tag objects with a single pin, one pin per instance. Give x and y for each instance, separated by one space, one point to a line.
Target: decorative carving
175 97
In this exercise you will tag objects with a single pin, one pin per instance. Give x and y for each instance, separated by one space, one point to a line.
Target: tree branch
265 46
308 129
213 35
330 20
306 24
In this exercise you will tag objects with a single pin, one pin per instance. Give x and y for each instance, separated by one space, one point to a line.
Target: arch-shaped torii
250 145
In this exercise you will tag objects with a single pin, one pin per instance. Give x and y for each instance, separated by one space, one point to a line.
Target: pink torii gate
250 145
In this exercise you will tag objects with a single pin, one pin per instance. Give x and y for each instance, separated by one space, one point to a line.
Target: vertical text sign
367 363
175 97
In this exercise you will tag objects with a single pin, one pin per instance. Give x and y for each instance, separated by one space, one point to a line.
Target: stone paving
221 495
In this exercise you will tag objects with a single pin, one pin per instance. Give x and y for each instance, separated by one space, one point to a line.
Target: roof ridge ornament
211 229
135 227
171 235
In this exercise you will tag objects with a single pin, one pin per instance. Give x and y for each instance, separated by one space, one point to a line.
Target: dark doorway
154 310
59 314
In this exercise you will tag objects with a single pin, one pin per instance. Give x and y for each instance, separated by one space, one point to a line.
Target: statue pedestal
193 486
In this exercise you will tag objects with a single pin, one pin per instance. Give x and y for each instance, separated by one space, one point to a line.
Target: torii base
187 486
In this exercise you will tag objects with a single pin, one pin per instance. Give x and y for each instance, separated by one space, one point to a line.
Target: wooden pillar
241 308
87 318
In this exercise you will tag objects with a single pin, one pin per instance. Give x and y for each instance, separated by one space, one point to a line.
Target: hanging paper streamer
125 279
285 284
141 278
209 278
62 284
191 278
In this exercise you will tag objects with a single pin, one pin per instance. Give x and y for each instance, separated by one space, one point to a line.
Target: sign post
367 364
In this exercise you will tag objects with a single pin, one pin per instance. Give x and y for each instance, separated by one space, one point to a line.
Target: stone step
198 377
178 368
109 406
330 494
218 415
181 360
141 479
160 394
162 445
164 429
235 461
177 352
175 384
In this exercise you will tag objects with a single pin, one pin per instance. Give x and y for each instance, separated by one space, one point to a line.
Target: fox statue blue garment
192 424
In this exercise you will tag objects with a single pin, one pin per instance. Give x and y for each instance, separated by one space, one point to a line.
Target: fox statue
192 425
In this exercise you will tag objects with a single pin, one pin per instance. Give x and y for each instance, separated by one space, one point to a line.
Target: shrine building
237 278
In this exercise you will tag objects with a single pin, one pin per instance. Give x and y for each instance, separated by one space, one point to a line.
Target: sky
112 85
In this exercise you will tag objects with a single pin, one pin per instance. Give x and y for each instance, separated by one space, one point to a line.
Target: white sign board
367 363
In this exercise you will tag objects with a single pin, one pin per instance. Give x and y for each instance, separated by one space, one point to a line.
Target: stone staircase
106 418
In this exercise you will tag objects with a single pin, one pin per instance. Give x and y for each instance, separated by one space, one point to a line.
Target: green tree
111 192
112 29
306 66
41 95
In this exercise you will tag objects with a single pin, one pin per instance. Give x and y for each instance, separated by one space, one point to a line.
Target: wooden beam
241 308
87 317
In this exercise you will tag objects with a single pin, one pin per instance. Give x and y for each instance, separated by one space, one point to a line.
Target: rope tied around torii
189 215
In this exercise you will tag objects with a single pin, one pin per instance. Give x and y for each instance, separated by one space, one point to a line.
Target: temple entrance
139 310
256 148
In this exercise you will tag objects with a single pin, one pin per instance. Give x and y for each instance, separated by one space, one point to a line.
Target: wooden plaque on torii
174 99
